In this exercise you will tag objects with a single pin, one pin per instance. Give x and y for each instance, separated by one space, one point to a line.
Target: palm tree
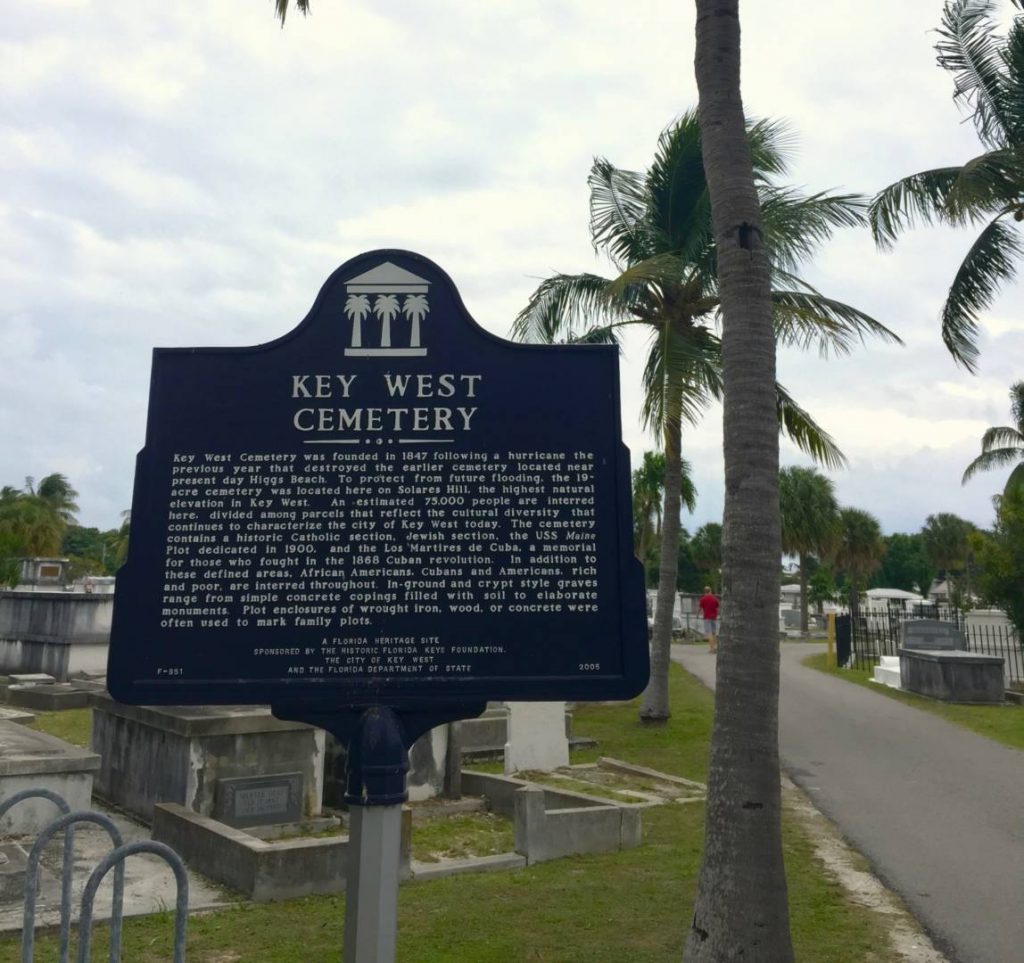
989 81
648 493
810 520
946 540
386 308
57 492
357 307
741 910
859 551
656 230
1004 444
415 307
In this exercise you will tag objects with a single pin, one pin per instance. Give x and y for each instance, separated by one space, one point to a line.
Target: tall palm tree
859 551
988 76
648 494
1004 444
57 492
741 910
656 230
810 520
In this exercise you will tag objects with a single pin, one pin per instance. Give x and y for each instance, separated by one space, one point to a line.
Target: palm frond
989 263
1017 399
664 270
918 198
680 206
989 460
281 8
970 50
986 184
1013 98
805 319
795 225
686 366
772 144
565 306
618 207
805 432
1003 436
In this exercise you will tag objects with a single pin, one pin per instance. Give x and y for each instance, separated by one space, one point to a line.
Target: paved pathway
938 810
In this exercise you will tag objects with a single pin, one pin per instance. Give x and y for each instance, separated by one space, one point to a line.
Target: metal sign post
378 741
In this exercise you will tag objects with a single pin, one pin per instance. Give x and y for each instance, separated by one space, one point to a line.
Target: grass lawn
71 725
1004 723
627 907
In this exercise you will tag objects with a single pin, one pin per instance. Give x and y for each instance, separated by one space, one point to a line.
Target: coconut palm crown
655 229
988 190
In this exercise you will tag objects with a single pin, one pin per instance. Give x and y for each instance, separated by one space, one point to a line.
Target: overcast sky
190 174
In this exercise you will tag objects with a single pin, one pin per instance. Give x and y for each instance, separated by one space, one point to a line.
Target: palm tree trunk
655 707
803 593
741 911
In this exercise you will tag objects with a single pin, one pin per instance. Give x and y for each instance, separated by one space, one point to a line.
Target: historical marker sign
389 505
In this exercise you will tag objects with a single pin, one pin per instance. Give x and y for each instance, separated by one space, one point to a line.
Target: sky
190 174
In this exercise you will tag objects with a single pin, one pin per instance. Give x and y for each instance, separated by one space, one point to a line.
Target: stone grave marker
932 634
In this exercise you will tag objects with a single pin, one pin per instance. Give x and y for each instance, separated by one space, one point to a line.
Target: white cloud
192 176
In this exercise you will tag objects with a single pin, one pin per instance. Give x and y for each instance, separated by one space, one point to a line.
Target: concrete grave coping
25 751
192 721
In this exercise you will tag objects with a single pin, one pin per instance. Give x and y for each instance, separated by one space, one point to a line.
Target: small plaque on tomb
259 800
388 505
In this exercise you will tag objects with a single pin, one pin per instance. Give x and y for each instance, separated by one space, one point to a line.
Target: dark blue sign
387 506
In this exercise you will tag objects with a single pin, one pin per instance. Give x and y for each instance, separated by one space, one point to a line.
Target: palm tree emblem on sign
387 290
357 307
415 308
386 308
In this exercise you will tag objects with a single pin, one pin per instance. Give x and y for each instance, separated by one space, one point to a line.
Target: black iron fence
878 632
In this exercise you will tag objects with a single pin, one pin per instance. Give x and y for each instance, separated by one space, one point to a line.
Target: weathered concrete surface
935 808
952 676
177 753
149 882
262 870
61 633
35 760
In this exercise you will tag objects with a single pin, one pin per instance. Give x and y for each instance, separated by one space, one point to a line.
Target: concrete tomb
36 760
237 762
952 676
56 632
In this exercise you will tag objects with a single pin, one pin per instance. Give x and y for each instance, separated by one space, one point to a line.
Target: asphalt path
937 810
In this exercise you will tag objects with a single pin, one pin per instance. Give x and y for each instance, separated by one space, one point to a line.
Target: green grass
461 836
71 725
611 908
1003 723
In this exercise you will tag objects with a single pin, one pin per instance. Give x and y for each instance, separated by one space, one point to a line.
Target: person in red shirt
709 610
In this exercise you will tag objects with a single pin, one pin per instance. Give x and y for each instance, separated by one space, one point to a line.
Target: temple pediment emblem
390 294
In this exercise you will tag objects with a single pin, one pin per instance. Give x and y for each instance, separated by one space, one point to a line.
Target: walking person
708 605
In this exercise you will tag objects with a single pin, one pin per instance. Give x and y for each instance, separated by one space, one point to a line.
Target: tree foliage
859 550
809 515
1000 555
988 190
655 230
905 565
1003 445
